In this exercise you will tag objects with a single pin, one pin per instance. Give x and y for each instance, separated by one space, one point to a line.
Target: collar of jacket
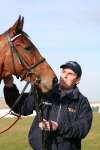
71 94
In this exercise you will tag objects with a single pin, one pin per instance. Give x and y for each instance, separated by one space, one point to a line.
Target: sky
62 30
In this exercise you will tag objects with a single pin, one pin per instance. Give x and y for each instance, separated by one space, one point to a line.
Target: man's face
68 79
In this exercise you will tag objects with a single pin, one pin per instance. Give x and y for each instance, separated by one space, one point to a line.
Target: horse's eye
28 48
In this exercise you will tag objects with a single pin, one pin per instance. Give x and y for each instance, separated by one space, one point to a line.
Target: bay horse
20 57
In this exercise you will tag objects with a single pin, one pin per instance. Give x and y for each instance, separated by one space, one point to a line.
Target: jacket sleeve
24 106
80 128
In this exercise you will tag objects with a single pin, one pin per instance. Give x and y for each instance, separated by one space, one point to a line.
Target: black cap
73 65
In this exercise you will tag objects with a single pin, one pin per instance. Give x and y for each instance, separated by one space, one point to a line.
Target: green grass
92 141
16 138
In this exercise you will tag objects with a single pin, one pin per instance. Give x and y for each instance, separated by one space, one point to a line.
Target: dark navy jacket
72 112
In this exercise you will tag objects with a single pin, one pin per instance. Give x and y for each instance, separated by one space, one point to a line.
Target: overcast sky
62 30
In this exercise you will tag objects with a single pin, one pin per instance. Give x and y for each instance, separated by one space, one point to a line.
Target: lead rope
11 111
39 111
10 126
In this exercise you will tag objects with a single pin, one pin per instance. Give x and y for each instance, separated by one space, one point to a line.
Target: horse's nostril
55 81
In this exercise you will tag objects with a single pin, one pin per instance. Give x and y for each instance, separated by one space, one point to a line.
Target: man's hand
8 81
48 125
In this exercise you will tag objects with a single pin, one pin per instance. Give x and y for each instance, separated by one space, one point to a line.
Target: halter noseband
28 68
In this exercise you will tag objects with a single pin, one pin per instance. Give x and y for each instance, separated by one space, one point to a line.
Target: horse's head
19 56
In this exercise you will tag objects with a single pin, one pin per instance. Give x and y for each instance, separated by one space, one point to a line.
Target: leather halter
28 72
28 68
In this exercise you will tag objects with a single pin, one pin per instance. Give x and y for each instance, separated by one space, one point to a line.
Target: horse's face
19 56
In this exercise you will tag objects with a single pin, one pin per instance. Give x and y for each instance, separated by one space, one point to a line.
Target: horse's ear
18 26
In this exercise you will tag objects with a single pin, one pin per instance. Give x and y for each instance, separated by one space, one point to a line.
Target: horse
20 57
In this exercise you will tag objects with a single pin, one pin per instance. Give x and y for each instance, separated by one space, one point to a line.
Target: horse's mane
25 34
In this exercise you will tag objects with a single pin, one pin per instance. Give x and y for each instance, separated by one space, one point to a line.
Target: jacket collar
71 94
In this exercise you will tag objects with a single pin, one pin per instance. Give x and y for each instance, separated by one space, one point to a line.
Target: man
67 113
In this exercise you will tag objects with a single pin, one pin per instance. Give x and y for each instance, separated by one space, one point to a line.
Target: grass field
16 138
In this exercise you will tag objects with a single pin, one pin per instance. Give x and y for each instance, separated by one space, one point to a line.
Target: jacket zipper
58 115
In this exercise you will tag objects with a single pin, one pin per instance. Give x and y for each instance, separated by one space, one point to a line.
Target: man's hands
8 81
48 125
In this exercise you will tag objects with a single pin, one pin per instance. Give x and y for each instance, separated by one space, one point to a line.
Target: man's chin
63 86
